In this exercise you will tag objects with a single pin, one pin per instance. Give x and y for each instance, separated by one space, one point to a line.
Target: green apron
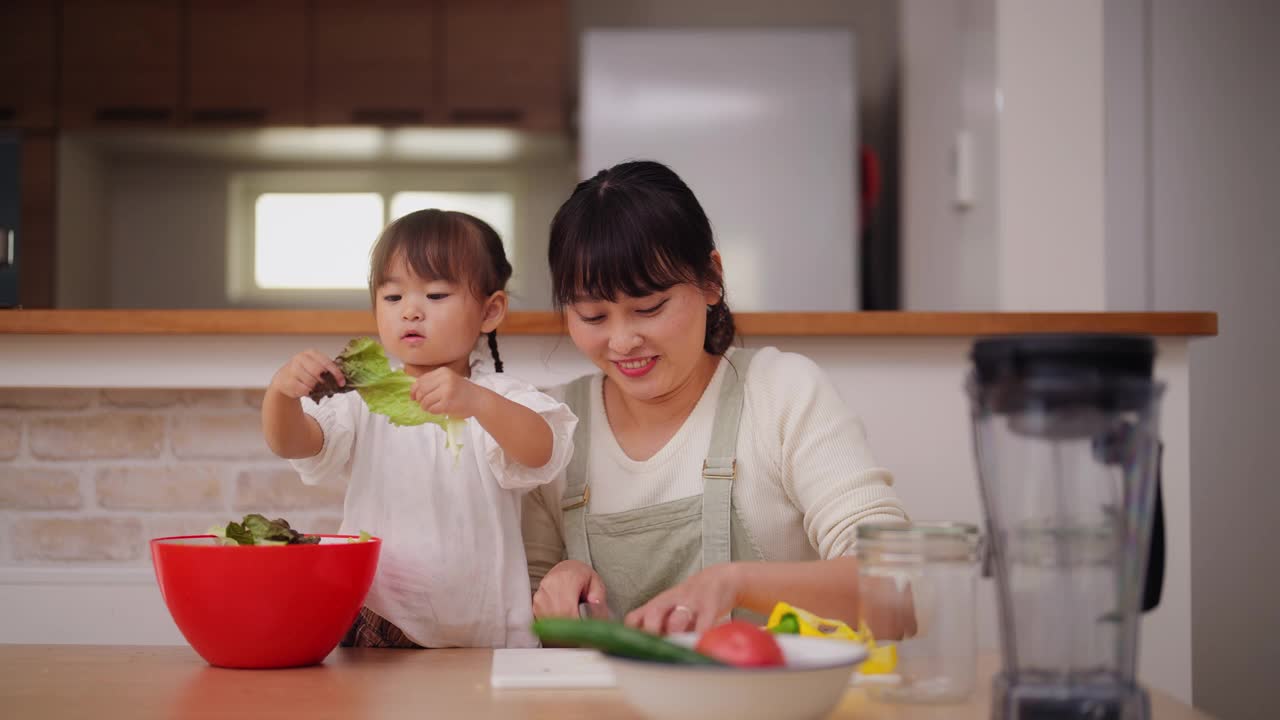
641 552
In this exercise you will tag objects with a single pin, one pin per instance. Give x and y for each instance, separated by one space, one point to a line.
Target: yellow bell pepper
882 659
812 625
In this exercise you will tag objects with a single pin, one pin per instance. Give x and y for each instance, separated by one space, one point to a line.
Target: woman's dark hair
445 245
636 229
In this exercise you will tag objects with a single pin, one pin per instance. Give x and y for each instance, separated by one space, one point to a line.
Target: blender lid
1051 373
1026 357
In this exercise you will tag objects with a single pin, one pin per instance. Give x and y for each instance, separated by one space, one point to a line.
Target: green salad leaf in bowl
256 529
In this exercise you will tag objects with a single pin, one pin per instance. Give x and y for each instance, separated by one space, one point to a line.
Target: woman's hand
564 586
444 392
695 604
888 608
298 377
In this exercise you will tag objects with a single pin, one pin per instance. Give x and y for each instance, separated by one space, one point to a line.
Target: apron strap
721 467
573 504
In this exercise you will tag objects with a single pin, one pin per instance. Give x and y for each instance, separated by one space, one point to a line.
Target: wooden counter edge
796 324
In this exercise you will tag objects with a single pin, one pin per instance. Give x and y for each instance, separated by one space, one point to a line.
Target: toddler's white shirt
452 570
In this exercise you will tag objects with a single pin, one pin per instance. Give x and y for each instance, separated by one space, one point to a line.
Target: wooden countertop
61 682
850 324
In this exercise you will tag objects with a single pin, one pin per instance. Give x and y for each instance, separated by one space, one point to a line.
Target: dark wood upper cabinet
37 170
506 62
375 62
121 62
246 62
28 63
284 62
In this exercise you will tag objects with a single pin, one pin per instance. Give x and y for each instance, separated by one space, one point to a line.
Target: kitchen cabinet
375 62
246 62
292 62
120 62
28 63
36 173
506 62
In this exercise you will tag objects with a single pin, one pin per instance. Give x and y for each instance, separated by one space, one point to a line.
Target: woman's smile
636 367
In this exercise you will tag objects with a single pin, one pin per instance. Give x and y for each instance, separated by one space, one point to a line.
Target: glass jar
918 587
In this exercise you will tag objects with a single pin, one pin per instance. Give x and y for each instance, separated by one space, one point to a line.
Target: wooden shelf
831 324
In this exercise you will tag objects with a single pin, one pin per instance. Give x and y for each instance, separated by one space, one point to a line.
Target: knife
594 611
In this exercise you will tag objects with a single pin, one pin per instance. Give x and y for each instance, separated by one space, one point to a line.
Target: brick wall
88 476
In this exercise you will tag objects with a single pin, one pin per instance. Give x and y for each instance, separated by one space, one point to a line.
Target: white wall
1215 212
167 232
1126 53
1051 225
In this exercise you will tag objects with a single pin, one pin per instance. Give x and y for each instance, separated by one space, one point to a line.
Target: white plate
816 675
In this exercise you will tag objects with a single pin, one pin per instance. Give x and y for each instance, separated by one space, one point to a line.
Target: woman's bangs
615 262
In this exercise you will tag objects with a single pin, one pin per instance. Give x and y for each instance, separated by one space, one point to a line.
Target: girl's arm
521 432
289 432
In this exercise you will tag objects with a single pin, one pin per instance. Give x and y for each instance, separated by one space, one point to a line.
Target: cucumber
614 638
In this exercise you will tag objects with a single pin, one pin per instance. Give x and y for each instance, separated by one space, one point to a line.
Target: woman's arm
818 455
558 584
828 588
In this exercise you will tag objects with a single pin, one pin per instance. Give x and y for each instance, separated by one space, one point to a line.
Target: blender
1067 446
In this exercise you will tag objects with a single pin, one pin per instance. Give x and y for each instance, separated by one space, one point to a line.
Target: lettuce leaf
385 391
256 529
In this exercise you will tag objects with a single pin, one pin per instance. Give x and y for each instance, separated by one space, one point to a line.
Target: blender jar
1066 440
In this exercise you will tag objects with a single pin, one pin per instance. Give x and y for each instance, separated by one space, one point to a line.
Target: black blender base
1033 701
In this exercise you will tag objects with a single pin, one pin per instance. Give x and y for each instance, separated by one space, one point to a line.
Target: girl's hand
695 604
302 373
444 392
565 585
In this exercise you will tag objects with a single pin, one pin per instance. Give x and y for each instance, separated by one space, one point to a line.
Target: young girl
452 571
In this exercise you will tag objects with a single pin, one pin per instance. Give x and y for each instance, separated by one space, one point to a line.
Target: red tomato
741 644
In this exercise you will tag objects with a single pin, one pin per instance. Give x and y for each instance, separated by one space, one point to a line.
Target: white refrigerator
761 125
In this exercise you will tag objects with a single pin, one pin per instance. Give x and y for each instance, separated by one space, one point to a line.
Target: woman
695 461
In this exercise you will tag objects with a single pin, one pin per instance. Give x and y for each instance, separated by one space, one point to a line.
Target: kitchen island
902 373
71 682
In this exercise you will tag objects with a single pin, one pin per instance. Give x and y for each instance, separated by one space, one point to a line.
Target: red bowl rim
164 540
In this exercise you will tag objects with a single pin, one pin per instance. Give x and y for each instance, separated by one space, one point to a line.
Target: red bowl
263 607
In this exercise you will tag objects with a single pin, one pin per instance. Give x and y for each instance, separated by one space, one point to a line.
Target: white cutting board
516 668
549 668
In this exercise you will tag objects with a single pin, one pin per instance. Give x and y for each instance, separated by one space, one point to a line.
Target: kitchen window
302 239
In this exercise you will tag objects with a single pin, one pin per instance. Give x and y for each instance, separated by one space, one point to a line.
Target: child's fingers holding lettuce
327 364
304 372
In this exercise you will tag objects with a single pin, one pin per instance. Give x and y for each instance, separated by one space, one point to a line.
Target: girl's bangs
435 246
